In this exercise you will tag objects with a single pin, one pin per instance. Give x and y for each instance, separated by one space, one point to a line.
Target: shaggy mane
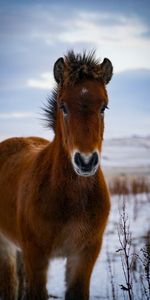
50 110
81 66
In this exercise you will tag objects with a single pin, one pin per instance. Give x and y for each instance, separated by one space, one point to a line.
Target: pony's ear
59 70
107 70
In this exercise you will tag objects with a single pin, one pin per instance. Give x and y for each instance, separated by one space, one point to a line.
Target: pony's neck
62 160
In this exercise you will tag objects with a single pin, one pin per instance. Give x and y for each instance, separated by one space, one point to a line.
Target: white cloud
16 115
118 37
45 81
103 28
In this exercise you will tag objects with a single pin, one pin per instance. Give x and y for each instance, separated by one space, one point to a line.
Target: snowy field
139 220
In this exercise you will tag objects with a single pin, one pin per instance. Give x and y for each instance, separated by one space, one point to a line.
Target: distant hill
126 156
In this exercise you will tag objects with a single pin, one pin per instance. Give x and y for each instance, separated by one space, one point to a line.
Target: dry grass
129 186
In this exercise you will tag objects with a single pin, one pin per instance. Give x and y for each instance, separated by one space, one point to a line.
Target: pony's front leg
78 272
8 271
36 265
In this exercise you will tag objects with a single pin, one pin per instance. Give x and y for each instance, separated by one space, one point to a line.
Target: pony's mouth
85 173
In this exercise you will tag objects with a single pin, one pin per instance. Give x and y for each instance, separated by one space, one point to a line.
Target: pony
54 201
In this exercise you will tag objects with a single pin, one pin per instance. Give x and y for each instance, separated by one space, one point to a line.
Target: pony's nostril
94 159
78 160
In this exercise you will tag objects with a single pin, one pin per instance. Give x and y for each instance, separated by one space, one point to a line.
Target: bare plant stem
125 242
111 277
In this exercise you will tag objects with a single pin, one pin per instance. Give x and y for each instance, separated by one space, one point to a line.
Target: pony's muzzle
85 164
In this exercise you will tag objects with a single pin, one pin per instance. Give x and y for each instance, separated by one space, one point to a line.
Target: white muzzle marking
85 164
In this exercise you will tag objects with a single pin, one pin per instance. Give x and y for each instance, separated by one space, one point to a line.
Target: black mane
81 66
50 110
79 59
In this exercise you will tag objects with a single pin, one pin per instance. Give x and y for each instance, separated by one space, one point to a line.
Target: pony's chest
73 237
78 224
77 232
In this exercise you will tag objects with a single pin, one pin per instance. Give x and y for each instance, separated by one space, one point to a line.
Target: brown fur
45 207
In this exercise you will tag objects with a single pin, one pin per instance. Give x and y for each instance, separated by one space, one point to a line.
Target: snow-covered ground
139 219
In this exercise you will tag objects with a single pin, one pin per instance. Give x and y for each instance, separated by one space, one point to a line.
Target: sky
33 34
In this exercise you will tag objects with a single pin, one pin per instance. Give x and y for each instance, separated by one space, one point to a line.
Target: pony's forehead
87 89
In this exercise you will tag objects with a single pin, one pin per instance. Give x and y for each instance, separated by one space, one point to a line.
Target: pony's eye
64 109
103 109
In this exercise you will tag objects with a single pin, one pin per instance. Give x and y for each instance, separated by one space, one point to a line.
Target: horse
54 201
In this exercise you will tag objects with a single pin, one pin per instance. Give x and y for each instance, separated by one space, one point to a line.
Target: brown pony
53 198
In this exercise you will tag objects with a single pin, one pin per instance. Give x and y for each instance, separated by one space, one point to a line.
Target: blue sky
34 34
